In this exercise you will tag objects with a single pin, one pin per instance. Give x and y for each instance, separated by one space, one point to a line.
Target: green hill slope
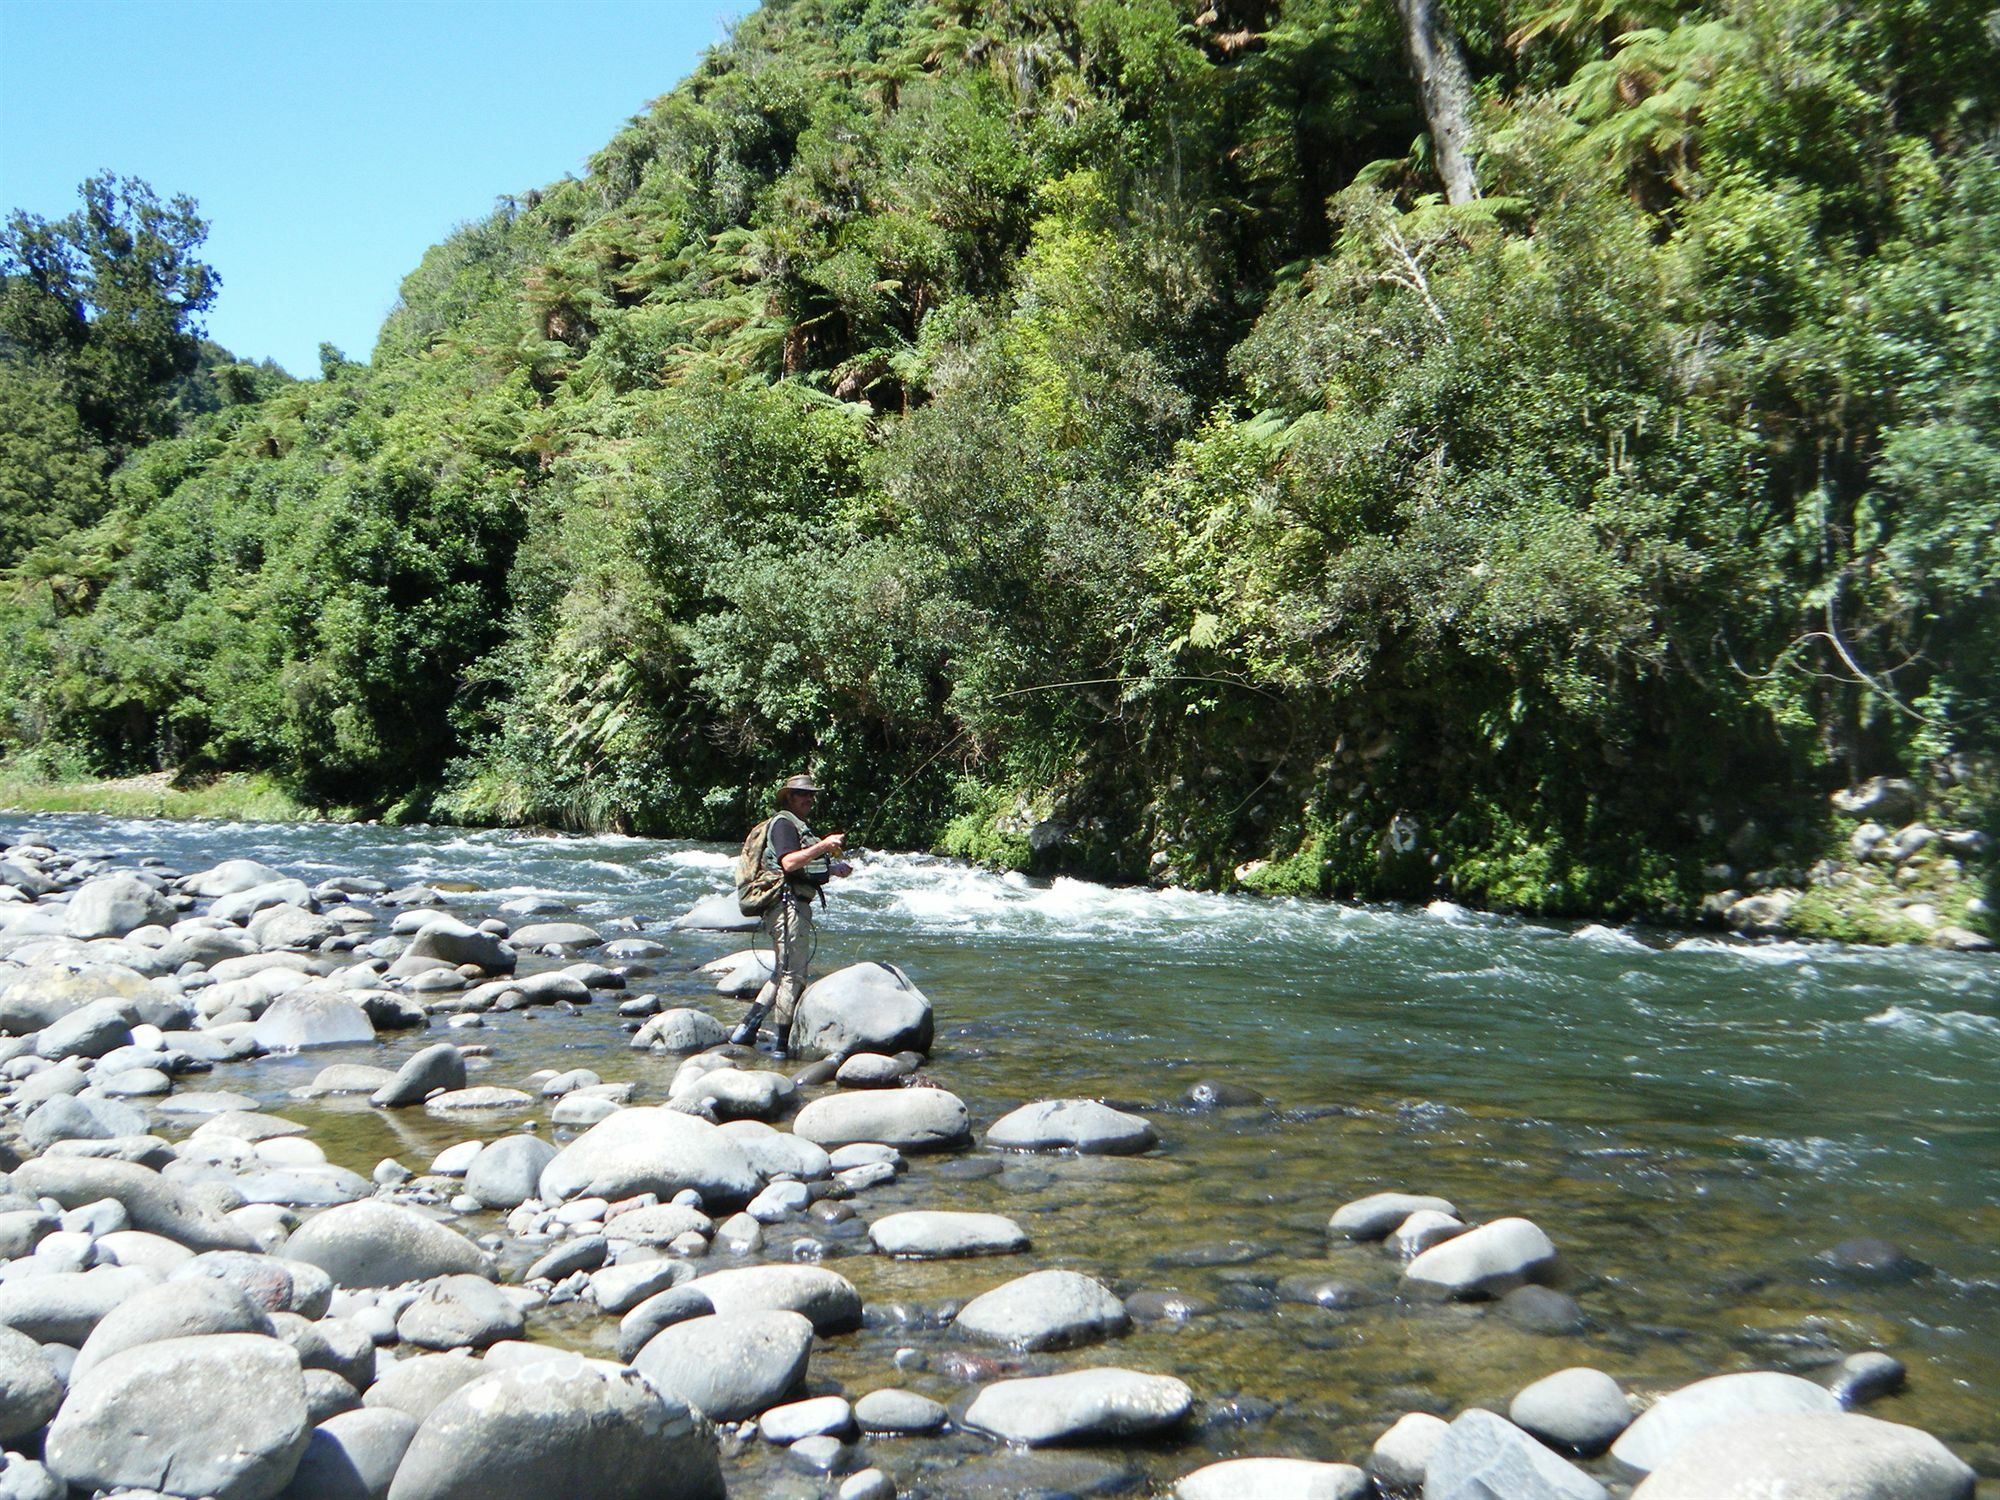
1081 432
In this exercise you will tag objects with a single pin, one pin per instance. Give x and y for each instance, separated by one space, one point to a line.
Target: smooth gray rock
46 992
730 1368
229 878
383 1244
1081 1125
1483 1456
88 1031
459 1312
1044 1310
1824 1456
919 1119
1578 1410
571 935
113 905
658 1225
341 1346
660 1311
476 1099
64 1117
680 1030
779 1153
276 1284
1863 1377
416 1386
735 1093
824 1298
454 942
622 1287
1079 1405
1273 1479
320 1186
327 1396
716 914
899 1412
1665 1427
22 1478
437 1067
353 1456
509 1171
222 1416
1372 1217
584 1253
816 1416
926 1234
151 1202
241 906
651 1150
866 1007
1483 1262
63 1307
1401 1455
171 1310
558 1430
286 926
311 1018
29 1389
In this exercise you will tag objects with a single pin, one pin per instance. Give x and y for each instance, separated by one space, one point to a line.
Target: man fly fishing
783 865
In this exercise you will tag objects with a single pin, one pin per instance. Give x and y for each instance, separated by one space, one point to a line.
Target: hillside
1087 434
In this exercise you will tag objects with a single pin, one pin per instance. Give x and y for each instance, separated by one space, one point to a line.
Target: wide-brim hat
797 784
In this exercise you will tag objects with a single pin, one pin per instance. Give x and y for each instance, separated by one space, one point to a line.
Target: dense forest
1530 454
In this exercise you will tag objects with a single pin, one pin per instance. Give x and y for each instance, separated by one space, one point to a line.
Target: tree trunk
1445 89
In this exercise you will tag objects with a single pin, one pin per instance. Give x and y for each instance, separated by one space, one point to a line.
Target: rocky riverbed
710 1269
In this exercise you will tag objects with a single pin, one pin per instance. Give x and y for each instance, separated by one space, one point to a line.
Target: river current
1692 1119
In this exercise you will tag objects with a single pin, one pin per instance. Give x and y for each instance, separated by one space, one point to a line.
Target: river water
1691 1119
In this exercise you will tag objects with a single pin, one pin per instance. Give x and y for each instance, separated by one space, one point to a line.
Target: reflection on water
1691 1118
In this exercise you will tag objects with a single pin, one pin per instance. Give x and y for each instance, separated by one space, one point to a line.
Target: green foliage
1083 417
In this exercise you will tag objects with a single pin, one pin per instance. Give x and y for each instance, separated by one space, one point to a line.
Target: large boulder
455 942
171 1310
1082 1125
680 1029
152 1203
1372 1217
286 925
651 1150
919 1119
222 1415
557 1429
113 905
373 1244
867 1007
1044 1310
312 1017
1826 1456
1666 1426
1081 1405
1483 1455
729 1368
88 1031
824 1298
64 1117
1483 1262
417 1385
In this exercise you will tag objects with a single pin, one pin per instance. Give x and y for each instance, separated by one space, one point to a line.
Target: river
1692 1119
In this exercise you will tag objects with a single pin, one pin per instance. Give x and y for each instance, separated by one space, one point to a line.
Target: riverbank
237 796
1217 1237
1922 877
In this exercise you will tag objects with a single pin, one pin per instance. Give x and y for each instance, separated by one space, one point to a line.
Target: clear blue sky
328 142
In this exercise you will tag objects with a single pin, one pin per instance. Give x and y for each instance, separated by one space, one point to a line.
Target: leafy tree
110 300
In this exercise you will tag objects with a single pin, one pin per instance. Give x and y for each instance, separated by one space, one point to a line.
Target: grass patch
245 797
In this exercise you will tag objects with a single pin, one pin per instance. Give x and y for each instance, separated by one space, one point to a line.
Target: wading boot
745 1034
